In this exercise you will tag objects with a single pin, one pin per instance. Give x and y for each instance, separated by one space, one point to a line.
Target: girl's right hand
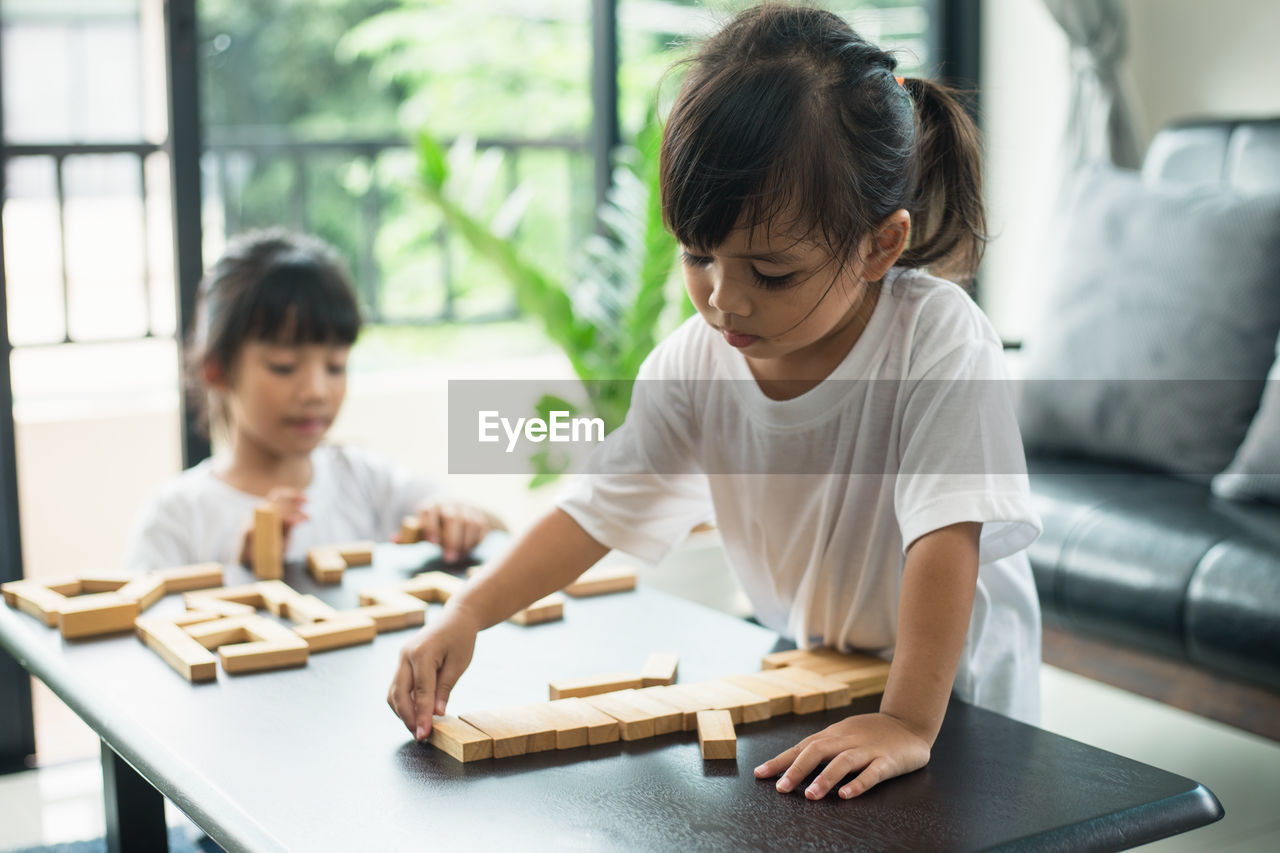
430 665
289 501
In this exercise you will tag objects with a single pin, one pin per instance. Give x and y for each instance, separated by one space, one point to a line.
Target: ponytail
948 217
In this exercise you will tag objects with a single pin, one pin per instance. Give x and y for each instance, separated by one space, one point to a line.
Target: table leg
135 810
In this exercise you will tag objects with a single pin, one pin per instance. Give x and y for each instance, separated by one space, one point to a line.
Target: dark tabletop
312 758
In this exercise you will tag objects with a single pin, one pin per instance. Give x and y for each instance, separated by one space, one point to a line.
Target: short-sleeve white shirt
197 517
818 497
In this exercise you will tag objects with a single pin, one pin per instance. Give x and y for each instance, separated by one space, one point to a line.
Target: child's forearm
934 607
547 557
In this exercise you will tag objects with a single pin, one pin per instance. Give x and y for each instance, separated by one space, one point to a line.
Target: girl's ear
887 244
214 376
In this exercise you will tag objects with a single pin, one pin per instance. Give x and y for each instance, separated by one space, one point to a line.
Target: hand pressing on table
290 502
874 746
456 527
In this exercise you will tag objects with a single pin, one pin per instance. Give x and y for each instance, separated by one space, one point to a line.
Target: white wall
1186 58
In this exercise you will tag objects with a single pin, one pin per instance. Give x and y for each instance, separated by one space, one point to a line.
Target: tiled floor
63 801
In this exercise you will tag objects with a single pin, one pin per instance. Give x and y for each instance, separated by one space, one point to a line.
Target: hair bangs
300 301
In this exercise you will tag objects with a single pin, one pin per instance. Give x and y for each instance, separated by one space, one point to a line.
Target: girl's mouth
739 340
309 426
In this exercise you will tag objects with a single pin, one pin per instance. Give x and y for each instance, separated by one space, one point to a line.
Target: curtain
1100 120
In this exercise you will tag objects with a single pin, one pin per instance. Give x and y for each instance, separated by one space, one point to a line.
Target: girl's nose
728 295
315 381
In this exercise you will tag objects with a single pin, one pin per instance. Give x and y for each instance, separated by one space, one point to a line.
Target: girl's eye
691 260
771 282
338 369
281 368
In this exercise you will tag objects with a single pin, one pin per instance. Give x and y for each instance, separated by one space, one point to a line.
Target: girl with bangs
275 321
839 410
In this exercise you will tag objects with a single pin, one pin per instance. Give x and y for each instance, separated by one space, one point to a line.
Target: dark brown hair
271 286
788 111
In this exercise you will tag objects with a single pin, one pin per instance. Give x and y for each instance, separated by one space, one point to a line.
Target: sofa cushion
1255 470
1162 313
1159 564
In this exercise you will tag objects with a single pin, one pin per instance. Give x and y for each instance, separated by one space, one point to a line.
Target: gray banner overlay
858 427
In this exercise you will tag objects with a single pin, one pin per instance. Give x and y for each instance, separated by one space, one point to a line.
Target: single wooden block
326 565
95 614
410 530
716 735
268 542
337 632
36 599
835 694
307 608
660 668
512 733
145 589
634 721
460 740
105 582
601 728
601 580
806 699
356 553
262 656
666 718
195 576
781 699
679 697
175 646
549 608
592 685
388 617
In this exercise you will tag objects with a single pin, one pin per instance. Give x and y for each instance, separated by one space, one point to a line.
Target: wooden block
222 608
275 596
434 587
805 698
460 740
660 668
268 542
219 632
549 608
146 590
262 656
410 530
90 583
743 705
190 659
835 694
634 722
601 728
716 735
570 728
511 732
195 576
592 685
680 698
776 660
781 699
307 608
337 632
245 593
326 565
666 718
863 681
602 580
356 553
96 614
251 643
35 599
388 617
545 728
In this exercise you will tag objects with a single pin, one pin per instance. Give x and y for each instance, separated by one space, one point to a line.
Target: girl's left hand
878 745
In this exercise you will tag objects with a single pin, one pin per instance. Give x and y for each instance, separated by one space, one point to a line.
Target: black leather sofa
1149 581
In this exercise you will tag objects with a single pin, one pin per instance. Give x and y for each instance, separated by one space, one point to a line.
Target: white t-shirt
197 517
817 497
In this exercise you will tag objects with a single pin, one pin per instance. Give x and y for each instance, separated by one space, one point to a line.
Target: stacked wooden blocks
622 707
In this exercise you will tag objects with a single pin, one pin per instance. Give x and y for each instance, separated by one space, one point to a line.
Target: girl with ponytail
849 430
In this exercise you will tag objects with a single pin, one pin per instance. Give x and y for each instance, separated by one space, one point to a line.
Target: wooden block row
601 580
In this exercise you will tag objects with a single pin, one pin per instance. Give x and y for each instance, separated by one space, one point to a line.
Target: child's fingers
876 772
780 762
837 768
429 519
422 696
805 763
451 535
400 697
